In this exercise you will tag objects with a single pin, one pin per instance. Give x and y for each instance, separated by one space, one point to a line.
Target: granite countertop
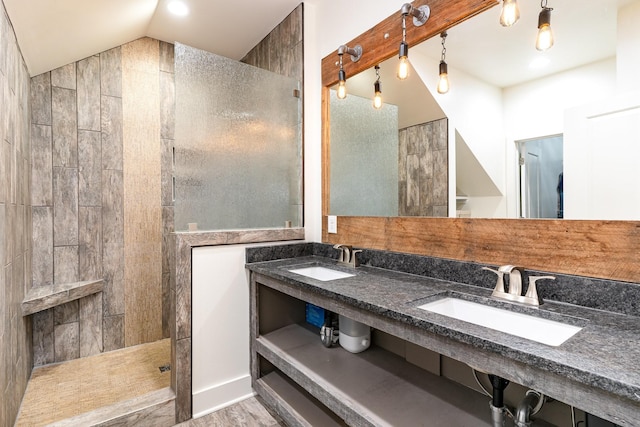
603 355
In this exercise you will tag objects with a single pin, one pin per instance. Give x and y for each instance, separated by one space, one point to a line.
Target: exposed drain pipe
497 401
528 406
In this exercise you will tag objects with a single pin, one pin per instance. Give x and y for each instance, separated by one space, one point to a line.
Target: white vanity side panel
220 334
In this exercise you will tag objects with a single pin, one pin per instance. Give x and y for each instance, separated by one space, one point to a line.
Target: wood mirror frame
601 249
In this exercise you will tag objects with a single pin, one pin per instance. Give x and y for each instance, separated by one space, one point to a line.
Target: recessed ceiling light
178 7
539 62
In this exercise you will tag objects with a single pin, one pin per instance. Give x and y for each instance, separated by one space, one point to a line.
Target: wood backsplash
602 249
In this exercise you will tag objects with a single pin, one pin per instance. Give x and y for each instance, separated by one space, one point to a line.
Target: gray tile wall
423 178
77 200
15 221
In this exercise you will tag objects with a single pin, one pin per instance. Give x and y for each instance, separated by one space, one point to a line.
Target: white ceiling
52 33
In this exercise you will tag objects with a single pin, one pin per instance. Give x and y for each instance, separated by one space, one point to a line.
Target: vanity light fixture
377 98
544 40
510 13
420 16
443 82
356 54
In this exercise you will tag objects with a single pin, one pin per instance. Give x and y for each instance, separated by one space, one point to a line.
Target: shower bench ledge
43 297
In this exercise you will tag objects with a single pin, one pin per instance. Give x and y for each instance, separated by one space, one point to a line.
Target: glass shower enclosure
238 145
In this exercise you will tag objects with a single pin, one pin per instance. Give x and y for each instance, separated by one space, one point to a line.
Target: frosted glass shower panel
364 157
238 151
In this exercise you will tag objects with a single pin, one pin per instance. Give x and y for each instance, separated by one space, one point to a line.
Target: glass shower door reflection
238 145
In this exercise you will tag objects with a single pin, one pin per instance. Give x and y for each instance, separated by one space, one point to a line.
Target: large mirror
512 113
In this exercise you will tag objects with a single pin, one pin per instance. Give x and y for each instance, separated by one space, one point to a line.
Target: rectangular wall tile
89 168
142 180
66 341
43 353
113 331
65 127
65 264
65 206
90 243
41 166
167 105
167 172
66 313
42 245
41 99
112 206
88 91
111 72
111 132
113 274
3 237
91 325
64 77
167 57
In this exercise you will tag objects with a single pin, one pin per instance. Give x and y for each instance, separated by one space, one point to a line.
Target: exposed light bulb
342 90
377 99
544 40
443 82
403 68
403 65
342 83
510 13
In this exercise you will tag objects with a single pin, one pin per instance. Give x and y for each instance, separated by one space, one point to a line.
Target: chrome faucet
347 255
515 285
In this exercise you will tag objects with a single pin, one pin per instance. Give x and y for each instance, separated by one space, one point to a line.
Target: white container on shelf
354 336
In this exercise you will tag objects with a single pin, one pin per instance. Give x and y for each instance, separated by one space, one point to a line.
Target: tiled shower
99 126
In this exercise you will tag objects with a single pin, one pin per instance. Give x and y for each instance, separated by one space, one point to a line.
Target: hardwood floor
250 413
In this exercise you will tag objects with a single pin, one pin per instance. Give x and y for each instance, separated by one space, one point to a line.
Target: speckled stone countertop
604 355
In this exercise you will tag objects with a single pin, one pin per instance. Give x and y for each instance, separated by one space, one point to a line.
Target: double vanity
583 356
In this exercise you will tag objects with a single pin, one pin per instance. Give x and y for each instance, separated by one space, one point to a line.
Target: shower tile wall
423 179
15 222
96 131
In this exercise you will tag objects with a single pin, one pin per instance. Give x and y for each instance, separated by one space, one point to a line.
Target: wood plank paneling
142 191
602 249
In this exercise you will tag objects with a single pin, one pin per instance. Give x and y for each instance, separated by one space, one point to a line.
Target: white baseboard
221 395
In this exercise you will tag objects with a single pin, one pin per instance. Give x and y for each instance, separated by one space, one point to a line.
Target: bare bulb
510 13
377 101
544 40
403 68
342 90
443 83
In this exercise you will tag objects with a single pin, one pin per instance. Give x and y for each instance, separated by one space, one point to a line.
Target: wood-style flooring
247 413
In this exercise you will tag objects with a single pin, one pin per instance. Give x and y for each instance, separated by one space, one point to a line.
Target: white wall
628 52
536 109
220 322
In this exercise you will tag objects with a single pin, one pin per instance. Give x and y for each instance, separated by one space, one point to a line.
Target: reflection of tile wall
78 196
423 179
15 223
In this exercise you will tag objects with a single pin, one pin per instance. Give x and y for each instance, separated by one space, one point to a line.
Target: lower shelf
374 387
295 405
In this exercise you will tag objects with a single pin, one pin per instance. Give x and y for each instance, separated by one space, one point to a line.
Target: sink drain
165 368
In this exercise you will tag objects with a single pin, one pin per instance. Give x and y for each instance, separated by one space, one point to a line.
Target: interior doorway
541 193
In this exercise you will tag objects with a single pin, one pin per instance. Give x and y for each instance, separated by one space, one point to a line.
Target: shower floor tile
56 392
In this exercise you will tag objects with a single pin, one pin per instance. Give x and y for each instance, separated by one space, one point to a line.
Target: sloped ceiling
52 33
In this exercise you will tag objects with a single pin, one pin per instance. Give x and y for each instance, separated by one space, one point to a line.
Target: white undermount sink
544 331
321 273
